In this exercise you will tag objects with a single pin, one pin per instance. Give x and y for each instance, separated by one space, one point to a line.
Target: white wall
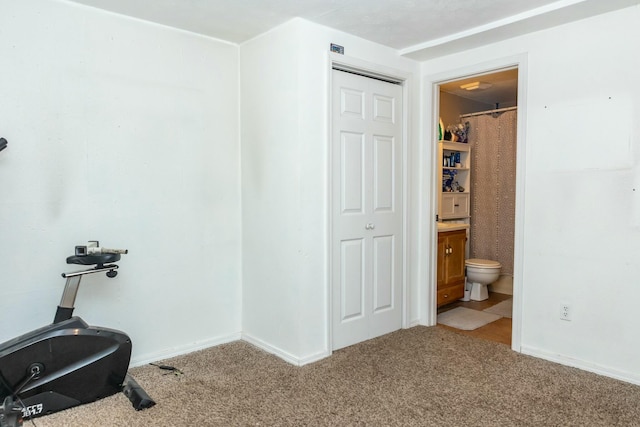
125 132
128 132
285 122
581 228
271 191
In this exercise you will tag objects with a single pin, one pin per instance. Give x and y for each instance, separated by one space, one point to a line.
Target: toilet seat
482 263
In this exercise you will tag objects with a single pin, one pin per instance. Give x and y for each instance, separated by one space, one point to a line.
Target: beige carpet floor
415 377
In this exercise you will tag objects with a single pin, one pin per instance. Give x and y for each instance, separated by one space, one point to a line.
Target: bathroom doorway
480 111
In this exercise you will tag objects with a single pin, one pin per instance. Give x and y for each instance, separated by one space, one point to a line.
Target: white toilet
480 273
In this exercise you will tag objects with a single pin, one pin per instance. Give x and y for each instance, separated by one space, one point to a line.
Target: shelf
454 204
455 146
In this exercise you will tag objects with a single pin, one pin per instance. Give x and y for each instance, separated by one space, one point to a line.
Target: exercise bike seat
98 259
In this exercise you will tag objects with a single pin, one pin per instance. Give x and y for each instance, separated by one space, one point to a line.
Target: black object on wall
3 144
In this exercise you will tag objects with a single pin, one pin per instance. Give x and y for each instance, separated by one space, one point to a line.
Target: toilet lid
477 262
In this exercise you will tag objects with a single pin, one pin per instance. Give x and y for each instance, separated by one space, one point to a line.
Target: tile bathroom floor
498 331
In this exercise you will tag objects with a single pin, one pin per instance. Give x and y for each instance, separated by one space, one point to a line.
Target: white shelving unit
455 162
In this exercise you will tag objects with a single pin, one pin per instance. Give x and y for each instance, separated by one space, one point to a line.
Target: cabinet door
455 259
450 274
441 267
455 205
461 205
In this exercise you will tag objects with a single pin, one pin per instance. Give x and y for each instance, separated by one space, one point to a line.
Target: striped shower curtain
493 187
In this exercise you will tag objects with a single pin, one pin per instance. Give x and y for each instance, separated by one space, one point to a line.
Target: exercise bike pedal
136 394
10 413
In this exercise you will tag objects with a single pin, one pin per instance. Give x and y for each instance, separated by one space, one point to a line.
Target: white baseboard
414 322
581 364
201 345
287 357
183 349
504 285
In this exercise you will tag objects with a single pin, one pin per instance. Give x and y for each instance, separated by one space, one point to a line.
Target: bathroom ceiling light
470 86
475 86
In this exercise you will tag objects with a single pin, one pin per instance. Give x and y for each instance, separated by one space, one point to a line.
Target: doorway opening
476 168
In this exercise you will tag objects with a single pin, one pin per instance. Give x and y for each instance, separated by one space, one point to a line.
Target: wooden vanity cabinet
450 274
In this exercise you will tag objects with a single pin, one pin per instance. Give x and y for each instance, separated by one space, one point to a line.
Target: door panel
352 103
366 182
383 108
352 279
352 168
383 173
383 273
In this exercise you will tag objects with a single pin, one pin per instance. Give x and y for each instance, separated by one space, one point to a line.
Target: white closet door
366 208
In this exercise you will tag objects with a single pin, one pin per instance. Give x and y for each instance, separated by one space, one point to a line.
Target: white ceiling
502 90
420 29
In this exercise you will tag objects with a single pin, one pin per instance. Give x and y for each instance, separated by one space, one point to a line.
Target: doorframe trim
431 86
406 80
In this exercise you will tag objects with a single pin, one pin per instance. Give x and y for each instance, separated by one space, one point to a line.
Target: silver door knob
369 226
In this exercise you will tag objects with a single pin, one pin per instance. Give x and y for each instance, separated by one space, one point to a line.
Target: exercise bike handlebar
95 251
94 248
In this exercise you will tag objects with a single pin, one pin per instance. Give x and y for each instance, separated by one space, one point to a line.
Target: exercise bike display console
68 362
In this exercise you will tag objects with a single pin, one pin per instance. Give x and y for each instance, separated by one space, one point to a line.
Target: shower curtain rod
481 113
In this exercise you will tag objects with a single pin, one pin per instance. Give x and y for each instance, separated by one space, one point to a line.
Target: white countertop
449 226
